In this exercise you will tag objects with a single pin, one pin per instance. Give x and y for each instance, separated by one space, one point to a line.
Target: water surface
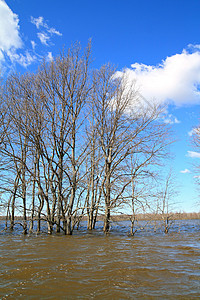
150 265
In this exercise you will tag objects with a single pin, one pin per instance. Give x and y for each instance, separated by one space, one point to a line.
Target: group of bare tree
76 142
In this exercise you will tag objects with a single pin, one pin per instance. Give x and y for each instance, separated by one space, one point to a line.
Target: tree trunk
68 225
106 227
41 200
24 202
33 207
33 194
12 219
38 222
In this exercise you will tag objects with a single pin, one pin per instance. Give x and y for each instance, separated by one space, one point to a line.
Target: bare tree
165 200
125 127
64 84
16 144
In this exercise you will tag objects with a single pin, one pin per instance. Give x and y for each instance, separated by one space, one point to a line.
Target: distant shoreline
138 217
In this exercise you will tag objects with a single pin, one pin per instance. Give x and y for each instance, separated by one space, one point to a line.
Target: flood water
150 265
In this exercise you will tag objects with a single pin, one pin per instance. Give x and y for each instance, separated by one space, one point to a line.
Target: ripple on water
94 266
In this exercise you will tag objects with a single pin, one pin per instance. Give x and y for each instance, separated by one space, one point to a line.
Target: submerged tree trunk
41 200
38 222
58 217
133 230
166 225
50 227
24 202
32 208
69 228
133 217
97 208
7 215
36 166
68 225
106 227
12 219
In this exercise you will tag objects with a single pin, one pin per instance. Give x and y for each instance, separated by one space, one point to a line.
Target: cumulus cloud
185 171
11 45
12 48
9 31
176 79
193 154
46 32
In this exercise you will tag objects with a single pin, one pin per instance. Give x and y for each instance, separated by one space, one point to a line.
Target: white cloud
49 56
194 47
33 44
23 59
11 45
54 31
37 21
9 30
12 49
170 119
193 154
47 32
191 132
176 79
185 171
43 37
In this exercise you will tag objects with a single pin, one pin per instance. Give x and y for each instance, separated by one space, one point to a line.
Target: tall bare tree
125 126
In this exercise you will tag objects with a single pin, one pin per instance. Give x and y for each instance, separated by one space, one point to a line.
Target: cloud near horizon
176 79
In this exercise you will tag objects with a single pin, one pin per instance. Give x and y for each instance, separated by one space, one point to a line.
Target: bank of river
150 265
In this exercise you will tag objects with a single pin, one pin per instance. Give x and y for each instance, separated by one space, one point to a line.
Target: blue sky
157 42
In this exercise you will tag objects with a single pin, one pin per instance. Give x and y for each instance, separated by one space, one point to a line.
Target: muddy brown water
94 266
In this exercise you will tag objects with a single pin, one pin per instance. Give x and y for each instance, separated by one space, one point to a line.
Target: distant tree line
77 141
